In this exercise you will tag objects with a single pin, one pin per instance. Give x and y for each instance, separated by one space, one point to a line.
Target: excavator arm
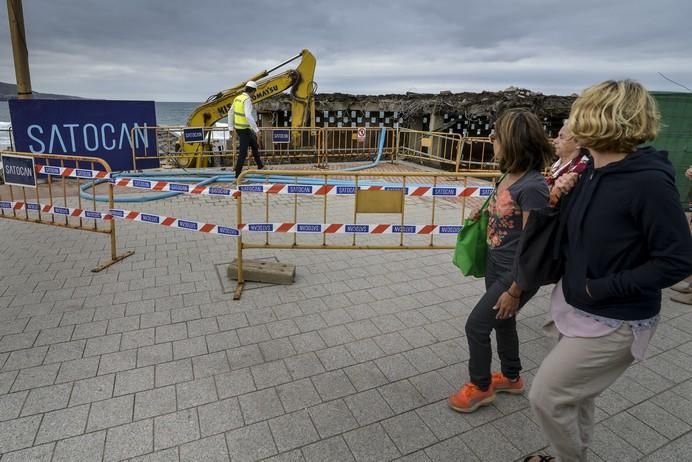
299 80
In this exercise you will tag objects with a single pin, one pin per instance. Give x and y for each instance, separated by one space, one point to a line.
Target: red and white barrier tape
209 228
173 222
335 190
339 228
55 210
72 172
175 187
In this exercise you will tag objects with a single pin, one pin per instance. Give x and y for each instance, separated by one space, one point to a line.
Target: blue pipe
218 177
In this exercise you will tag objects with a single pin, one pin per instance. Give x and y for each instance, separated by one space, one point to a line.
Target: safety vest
239 120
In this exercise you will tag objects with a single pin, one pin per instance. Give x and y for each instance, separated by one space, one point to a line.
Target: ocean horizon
167 112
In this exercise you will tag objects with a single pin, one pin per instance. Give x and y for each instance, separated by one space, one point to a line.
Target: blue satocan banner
94 128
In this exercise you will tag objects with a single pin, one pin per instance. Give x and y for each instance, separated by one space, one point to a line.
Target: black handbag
539 260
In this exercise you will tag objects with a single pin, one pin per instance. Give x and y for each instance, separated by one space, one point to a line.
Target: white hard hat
251 84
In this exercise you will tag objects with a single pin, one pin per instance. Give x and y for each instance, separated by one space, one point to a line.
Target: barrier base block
264 271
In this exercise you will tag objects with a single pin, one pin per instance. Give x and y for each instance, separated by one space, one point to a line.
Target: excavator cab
299 80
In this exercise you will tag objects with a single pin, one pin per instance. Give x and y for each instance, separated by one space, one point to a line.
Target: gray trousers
573 374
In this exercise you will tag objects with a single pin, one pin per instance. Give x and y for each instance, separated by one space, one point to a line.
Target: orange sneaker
504 385
470 398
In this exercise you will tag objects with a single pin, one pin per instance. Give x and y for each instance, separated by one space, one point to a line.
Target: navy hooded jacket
625 237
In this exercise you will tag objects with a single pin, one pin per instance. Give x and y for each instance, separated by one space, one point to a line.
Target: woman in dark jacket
625 238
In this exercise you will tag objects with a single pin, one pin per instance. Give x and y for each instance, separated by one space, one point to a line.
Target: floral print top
505 215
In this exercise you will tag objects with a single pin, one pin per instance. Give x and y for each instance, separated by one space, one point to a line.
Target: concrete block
264 271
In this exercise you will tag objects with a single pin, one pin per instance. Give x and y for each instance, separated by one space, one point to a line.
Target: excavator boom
299 80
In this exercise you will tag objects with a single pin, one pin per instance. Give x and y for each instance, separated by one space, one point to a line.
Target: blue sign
193 135
109 130
19 170
281 136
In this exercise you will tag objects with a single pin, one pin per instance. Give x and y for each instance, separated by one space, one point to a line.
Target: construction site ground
152 359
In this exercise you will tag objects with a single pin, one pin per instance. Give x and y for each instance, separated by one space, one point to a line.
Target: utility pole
19 49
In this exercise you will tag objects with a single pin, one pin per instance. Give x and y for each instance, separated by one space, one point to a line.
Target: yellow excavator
299 80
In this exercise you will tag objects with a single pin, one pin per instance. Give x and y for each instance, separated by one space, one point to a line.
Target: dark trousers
480 324
247 138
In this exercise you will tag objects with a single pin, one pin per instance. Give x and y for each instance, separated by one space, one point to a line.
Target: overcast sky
175 50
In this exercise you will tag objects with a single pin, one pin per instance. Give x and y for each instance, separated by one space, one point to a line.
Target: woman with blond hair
624 237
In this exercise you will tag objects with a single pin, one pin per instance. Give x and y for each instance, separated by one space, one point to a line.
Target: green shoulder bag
472 246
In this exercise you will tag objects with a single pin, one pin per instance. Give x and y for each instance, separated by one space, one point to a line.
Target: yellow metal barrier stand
357 177
80 162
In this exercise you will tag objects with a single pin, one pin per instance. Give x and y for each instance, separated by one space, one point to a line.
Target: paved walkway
151 361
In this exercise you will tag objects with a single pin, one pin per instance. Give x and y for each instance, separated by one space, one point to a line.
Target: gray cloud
184 51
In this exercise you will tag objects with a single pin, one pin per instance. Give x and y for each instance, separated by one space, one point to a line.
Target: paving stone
190 347
42 453
137 338
175 429
298 395
234 383
396 367
46 399
77 369
392 343
443 421
91 330
57 425
167 455
333 450
451 351
11 404
120 325
332 385
675 451
423 359
365 376
636 433
202 327
659 419
408 432
675 404
364 350
211 449
368 407
523 433
196 392
129 440
18 433
310 322
118 361
335 358
285 328
110 413
402 396
244 356
173 372
491 443
304 365
154 354
251 443
171 332
161 318
371 443
134 380
155 402
80 448
432 386
232 321
220 416
211 364
332 418
35 377
90 390
25 358
336 335
309 341
293 430
273 350
253 334
260 405
270 374
609 446
222 341
451 449
65 351
291 456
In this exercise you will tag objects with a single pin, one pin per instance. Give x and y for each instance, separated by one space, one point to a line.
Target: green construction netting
676 135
